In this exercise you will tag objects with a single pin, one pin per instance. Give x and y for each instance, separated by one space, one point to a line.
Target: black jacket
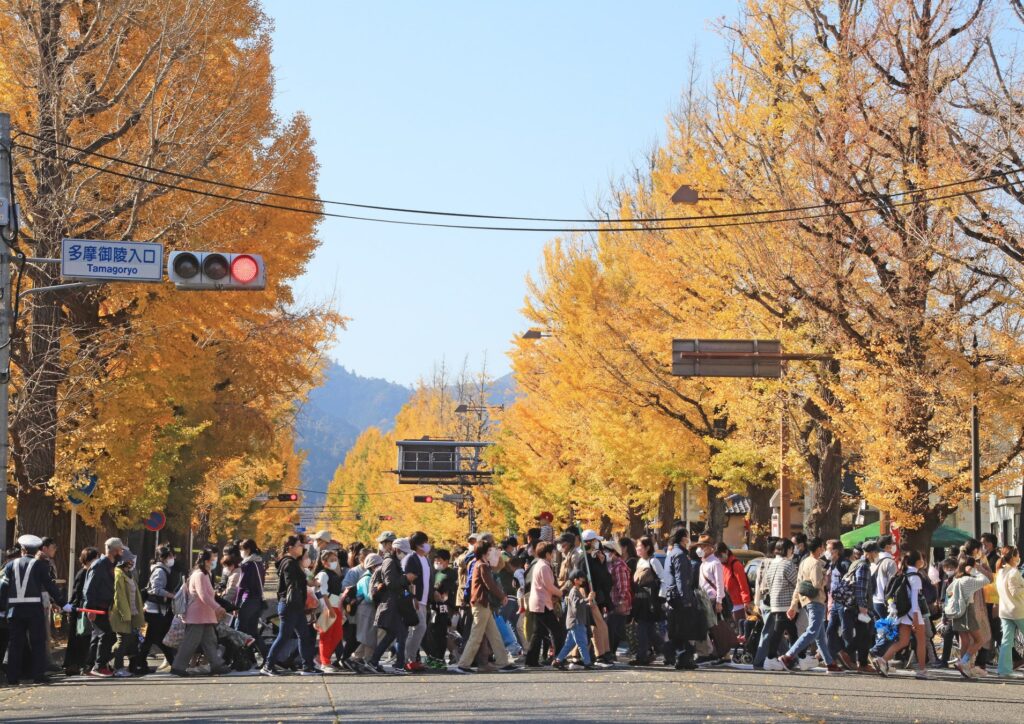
414 566
395 585
35 579
601 578
99 584
291 583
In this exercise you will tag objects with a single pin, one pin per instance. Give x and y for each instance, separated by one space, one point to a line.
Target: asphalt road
620 694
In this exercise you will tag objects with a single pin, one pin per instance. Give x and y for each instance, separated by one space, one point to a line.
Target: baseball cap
589 535
567 538
385 537
127 556
324 535
871 547
113 544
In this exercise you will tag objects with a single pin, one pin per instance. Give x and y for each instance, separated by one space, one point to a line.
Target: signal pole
7 199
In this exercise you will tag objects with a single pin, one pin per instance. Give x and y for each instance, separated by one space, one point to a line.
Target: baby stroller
749 638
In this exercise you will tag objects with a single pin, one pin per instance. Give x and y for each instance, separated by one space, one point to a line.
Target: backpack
843 592
956 606
179 604
898 593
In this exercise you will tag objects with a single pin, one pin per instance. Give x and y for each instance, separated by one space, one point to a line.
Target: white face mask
438 567
426 548
828 555
493 557
700 552
333 565
169 563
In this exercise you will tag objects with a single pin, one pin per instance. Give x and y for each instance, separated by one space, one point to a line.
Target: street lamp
688 195
462 408
536 334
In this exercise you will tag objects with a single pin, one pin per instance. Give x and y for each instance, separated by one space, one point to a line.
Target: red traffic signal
287 497
423 498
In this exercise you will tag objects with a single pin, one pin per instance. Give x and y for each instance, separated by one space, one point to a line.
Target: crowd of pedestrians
400 606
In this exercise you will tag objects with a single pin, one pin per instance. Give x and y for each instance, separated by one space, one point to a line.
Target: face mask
700 552
333 565
426 548
828 555
170 563
492 558
438 567
893 549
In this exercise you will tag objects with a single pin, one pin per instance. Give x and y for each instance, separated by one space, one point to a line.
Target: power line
636 220
607 229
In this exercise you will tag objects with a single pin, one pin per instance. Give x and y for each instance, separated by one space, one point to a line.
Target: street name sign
114 261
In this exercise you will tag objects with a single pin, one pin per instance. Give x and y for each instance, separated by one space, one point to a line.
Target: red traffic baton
94 611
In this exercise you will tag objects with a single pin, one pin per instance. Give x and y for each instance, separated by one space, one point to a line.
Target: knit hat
386 536
372 561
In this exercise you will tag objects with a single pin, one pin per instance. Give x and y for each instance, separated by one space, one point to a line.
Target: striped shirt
780 579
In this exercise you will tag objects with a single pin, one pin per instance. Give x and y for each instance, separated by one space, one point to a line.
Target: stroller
749 638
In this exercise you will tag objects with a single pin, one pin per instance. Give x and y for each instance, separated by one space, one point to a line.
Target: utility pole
7 199
975 443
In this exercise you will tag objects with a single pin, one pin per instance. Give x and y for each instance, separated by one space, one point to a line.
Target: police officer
24 581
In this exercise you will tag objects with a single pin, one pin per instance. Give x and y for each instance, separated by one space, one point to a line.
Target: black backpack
898 593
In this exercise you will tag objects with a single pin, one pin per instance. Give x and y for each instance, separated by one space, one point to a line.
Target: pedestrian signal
287 497
423 498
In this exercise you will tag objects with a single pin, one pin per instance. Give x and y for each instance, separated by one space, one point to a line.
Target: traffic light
385 517
423 498
287 497
216 270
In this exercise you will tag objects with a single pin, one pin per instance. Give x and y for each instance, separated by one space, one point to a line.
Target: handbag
723 637
326 619
807 589
175 634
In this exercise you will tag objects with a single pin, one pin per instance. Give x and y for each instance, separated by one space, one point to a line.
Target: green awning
946 535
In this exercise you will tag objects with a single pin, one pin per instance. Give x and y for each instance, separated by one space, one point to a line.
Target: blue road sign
114 261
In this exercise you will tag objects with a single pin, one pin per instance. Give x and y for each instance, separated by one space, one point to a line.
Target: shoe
640 662
331 669
163 668
921 674
268 670
308 672
588 667
881 665
807 663
375 668
105 673
458 670
685 665
487 668
964 669
560 665
979 673
847 661
789 662
122 674
865 669
43 681
774 665
573 666
221 671
939 665
179 672
509 668
415 666
835 668
603 665
398 671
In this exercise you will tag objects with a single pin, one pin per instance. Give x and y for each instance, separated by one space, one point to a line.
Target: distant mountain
338 411
335 415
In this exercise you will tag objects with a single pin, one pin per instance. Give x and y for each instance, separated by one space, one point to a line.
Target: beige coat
811 569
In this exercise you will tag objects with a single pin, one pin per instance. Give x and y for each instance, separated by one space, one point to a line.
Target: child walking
577 612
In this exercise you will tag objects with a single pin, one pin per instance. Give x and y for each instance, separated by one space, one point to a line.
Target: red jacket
736 581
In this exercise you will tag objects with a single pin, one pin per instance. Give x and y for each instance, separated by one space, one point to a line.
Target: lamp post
975 442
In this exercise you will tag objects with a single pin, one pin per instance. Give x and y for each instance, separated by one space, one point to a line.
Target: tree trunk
636 526
715 513
760 514
667 509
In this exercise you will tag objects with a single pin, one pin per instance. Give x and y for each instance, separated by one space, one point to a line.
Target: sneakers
865 669
374 668
835 668
104 673
847 661
774 665
268 670
807 663
573 667
602 665
560 665
331 669
921 674
398 671
435 664
508 669
881 665
122 674
788 661
458 670
965 670
164 667
686 664
414 667
308 672
179 672
979 673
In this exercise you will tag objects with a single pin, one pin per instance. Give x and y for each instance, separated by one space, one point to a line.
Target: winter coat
122 620
202 606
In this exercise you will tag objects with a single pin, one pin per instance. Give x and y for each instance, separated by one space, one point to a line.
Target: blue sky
525 108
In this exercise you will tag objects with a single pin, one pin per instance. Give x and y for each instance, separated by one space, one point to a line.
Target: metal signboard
727 358
113 261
